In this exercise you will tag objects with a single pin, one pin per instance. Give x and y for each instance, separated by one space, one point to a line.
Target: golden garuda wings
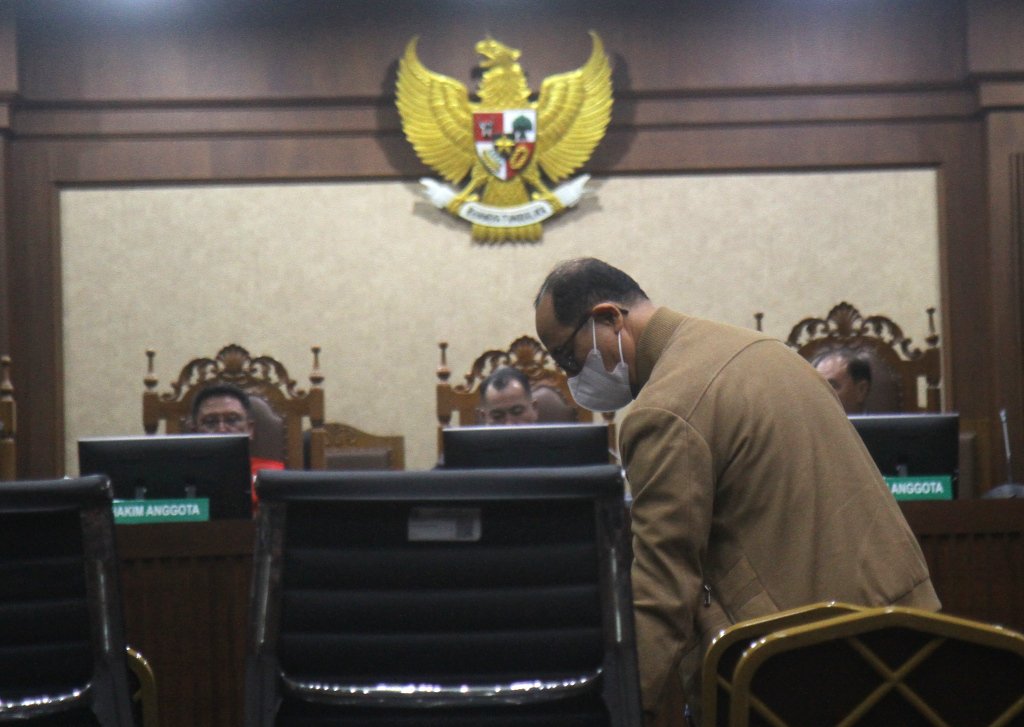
502 140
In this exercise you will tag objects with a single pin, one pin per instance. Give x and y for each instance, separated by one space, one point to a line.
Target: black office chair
62 650
442 598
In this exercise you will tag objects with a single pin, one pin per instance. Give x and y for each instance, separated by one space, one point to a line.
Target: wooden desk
186 592
975 552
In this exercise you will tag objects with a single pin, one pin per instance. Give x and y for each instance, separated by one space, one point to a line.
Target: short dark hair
858 366
576 286
218 390
500 379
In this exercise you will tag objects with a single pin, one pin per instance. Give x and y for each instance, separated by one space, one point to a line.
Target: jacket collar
654 340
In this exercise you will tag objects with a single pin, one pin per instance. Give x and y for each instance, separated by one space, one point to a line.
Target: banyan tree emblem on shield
506 151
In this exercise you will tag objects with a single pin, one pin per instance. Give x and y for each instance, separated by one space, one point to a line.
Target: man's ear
863 389
609 313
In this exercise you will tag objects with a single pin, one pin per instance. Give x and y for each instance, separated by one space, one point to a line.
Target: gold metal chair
727 648
146 694
886 666
8 422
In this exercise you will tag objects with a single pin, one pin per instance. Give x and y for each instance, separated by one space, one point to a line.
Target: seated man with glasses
226 409
505 399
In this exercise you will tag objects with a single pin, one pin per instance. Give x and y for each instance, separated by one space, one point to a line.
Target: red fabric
257 465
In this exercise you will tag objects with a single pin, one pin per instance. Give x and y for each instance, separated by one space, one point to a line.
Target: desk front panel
186 591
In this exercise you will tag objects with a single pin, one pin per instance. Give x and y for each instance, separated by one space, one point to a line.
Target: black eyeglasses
566 359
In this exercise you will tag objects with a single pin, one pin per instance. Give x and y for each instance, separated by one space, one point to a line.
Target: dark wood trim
1005 132
964 517
375 116
5 263
8 51
185 540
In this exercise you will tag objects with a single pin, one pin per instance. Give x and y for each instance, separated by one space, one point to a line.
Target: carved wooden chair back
8 422
896 368
349 448
263 377
526 354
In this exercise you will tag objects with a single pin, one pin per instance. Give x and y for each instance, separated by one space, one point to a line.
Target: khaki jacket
748 478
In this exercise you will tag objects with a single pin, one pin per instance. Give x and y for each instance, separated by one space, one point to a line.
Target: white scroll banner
525 214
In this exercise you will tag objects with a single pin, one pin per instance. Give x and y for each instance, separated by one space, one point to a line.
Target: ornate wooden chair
8 421
348 448
885 666
263 377
527 355
895 366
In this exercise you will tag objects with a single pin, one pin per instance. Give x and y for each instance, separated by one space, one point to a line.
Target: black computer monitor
907 445
215 466
531 445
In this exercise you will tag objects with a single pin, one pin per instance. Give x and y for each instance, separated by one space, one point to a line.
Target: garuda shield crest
506 151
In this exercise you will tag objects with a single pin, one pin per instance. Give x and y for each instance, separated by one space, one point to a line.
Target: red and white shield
505 140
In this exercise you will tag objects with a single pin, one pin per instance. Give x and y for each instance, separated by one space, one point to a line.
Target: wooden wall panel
995 29
8 88
344 48
1005 132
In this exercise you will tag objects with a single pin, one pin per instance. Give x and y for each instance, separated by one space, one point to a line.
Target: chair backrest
887 666
61 633
552 406
8 422
348 448
477 596
727 648
526 354
895 366
263 377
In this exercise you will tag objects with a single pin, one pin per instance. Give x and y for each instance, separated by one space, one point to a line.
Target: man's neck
640 315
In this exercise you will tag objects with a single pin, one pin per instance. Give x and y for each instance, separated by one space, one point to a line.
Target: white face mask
595 388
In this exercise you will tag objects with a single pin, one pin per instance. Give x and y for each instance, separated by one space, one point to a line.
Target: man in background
226 409
505 399
849 375
752 492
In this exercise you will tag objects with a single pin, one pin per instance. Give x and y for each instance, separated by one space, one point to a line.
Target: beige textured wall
377 277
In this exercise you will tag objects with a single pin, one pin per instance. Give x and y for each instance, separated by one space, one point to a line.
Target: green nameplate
936 487
131 512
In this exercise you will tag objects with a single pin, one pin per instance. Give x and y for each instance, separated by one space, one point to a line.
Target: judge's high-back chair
525 354
278 404
882 667
8 422
896 368
444 598
62 650
728 646
348 448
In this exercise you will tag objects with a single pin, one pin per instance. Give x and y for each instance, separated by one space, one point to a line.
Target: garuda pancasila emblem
506 139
